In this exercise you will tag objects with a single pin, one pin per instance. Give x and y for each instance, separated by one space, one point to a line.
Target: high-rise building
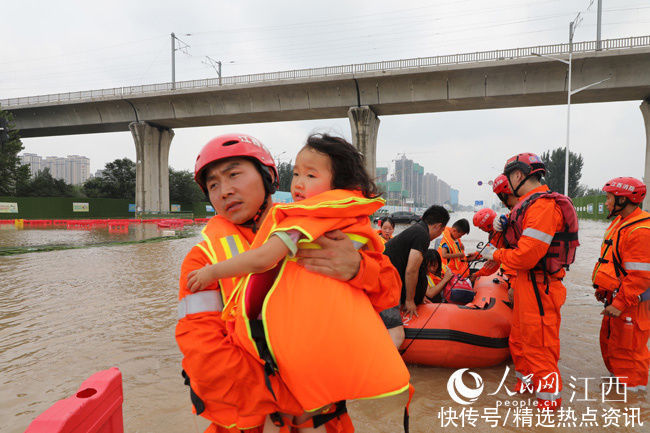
422 189
74 169
381 174
34 161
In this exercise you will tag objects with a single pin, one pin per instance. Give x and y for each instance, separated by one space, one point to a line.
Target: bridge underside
499 84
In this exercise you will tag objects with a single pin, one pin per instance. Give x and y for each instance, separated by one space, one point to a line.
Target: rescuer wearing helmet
621 278
501 188
542 236
227 383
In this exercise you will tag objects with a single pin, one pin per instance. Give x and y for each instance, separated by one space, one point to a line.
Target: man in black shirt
406 252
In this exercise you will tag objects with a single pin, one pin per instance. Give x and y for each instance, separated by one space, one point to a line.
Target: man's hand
410 309
610 310
500 223
488 252
337 259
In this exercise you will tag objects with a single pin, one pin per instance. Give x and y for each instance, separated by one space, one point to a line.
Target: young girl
322 335
438 275
386 229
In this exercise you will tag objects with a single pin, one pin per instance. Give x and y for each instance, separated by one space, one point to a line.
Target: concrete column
365 124
152 167
645 110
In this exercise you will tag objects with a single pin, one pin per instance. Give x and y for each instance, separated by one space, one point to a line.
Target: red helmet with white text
501 185
528 163
484 219
232 146
628 187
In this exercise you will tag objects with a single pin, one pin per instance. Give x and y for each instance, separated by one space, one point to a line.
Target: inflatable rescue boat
455 336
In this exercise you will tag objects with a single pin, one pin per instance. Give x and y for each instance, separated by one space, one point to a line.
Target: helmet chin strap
619 204
514 190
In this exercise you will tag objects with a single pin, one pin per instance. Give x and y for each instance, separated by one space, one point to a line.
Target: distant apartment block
409 184
74 169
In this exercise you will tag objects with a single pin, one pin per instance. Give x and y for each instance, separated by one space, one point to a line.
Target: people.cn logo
459 392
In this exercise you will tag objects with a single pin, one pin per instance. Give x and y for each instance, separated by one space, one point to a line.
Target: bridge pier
365 124
645 110
152 167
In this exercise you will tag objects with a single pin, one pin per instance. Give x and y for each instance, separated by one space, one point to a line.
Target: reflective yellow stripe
207 254
239 243
207 241
226 248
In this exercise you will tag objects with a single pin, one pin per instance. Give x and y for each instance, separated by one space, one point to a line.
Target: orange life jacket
381 237
324 337
605 274
454 246
200 323
433 279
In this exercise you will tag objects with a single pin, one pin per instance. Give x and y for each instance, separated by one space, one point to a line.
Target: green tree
182 188
117 181
44 185
285 171
554 162
13 174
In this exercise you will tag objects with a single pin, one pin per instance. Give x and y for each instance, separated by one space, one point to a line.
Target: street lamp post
572 27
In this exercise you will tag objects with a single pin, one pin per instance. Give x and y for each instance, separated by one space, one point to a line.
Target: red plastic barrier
95 408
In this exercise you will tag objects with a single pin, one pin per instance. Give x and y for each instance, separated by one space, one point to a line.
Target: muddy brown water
67 314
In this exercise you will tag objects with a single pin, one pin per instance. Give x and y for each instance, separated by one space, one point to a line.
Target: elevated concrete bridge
362 92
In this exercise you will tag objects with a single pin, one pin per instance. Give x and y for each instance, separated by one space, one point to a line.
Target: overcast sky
66 45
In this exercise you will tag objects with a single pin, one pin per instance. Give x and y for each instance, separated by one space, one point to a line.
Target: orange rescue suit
537 333
454 246
324 337
227 379
624 339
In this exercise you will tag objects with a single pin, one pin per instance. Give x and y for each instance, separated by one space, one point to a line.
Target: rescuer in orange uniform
227 384
622 279
542 233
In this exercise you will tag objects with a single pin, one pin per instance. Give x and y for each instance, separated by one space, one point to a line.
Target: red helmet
230 146
528 163
501 185
628 187
484 218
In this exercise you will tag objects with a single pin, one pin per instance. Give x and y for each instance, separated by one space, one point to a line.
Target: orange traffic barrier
95 408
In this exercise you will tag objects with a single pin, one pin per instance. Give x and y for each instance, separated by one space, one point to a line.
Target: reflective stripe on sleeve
636 266
537 234
201 302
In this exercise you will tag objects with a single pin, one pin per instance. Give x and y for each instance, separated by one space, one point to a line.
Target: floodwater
69 313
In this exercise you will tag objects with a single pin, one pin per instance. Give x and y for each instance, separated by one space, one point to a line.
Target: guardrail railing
419 62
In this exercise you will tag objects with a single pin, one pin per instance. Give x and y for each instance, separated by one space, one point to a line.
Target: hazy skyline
84 45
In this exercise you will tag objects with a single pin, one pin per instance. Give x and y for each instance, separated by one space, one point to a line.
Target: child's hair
388 220
433 257
462 225
348 169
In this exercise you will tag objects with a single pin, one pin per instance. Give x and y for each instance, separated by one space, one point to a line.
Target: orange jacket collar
541 188
634 214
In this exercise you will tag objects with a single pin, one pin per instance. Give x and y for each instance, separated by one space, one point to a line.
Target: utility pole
173 61
216 64
598 24
181 46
